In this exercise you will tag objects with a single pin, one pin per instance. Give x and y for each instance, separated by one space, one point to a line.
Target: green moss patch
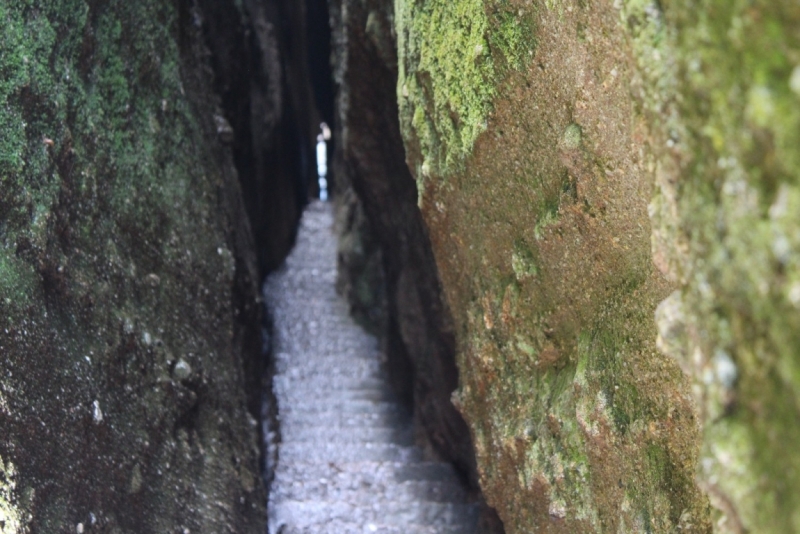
453 56
114 252
18 282
726 215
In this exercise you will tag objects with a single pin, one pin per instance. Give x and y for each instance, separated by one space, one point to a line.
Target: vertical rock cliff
151 169
532 167
383 228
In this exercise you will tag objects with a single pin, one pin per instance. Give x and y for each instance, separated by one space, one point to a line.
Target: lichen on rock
453 58
542 237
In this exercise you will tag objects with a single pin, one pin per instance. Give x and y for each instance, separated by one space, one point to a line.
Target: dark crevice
319 57
267 116
261 77
273 64
377 186
320 70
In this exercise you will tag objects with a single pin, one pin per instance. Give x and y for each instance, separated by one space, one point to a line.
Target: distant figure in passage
322 160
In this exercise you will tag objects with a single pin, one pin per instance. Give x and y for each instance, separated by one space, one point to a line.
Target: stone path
347 462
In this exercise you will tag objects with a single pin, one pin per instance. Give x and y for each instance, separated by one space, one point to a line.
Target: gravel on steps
347 462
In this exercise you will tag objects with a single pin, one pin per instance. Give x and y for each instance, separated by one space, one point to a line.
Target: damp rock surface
347 461
145 190
536 204
381 229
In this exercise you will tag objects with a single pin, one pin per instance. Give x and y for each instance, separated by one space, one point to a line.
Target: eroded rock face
541 134
535 163
381 227
130 325
370 157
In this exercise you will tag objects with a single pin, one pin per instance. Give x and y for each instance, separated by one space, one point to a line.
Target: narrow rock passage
347 462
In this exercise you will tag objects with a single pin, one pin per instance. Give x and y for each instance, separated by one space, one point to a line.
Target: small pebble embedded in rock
182 370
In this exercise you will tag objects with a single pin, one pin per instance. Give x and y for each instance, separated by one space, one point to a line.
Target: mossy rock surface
541 232
727 228
122 284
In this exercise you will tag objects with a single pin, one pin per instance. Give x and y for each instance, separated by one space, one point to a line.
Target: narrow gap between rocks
348 460
359 431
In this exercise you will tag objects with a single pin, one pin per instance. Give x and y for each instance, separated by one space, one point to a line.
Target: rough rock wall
259 59
726 227
532 165
130 324
552 142
370 159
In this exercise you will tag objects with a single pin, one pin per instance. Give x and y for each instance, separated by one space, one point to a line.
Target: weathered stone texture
381 226
129 310
539 155
535 167
371 158
727 228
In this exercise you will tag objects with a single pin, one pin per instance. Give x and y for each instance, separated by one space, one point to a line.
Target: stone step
352 452
348 422
323 365
375 434
317 310
323 349
329 353
333 384
320 339
355 398
365 394
303 514
343 406
340 527
369 470
324 373
341 331
363 490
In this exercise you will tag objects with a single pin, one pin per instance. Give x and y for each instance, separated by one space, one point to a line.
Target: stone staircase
347 461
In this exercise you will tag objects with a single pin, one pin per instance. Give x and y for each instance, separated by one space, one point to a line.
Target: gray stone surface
347 462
